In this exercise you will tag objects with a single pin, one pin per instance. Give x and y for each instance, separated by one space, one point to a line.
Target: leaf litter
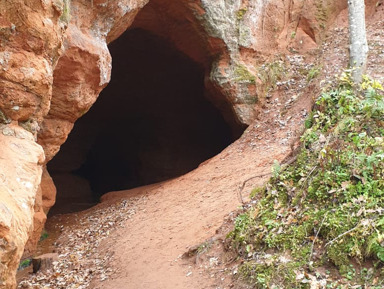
80 260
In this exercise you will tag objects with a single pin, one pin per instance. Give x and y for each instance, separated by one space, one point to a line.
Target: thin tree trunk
358 48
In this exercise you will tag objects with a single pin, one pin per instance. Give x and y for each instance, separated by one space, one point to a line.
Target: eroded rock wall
20 174
228 38
31 34
84 69
31 38
54 61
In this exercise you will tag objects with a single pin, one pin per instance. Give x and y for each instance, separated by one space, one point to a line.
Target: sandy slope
185 211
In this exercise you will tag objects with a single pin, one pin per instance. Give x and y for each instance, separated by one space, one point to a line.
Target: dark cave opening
152 122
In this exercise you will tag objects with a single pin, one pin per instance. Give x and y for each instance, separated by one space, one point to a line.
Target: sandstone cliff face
54 61
20 161
30 41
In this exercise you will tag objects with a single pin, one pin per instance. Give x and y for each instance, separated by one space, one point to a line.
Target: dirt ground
184 212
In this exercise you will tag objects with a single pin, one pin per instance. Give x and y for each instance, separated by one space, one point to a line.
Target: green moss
276 274
44 235
250 99
240 13
269 74
329 203
257 192
24 264
242 74
259 275
66 14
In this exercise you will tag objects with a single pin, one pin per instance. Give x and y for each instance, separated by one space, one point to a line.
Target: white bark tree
358 48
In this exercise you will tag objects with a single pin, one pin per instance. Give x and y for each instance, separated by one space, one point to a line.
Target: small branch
317 234
247 180
286 163
306 179
341 235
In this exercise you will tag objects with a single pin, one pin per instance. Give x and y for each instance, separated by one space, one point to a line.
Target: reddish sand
186 211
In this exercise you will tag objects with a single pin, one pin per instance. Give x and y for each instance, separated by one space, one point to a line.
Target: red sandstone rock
20 174
30 43
45 199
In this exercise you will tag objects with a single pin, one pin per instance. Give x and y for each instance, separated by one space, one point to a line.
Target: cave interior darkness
153 122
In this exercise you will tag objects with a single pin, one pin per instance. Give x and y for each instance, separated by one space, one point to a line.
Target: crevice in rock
153 122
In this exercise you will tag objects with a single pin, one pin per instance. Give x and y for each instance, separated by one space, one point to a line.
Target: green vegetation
242 74
24 264
66 15
269 74
240 13
313 72
310 72
44 235
326 210
250 99
322 13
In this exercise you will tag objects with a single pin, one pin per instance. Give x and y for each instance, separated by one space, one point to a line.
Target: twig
341 235
247 180
317 234
286 162
310 173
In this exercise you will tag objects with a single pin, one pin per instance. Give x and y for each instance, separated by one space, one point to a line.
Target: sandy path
178 214
186 211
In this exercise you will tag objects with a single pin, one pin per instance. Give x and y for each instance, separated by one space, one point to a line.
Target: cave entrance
152 122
